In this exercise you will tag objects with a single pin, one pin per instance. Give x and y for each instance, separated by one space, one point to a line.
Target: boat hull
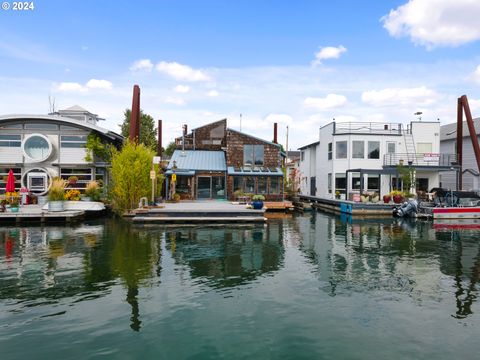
453 213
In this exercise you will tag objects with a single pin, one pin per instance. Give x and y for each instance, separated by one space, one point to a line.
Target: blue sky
299 63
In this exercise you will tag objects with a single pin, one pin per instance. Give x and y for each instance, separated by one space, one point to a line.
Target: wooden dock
34 213
199 212
339 206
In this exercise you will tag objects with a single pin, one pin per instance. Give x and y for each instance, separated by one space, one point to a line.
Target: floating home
353 157
448 144
40 147
216 162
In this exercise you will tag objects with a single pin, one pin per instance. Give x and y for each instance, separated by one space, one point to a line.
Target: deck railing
424 159
368 128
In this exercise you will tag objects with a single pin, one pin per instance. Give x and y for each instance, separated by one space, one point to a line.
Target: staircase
410 146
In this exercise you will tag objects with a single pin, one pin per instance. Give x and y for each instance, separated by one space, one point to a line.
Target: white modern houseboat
40 147
353 157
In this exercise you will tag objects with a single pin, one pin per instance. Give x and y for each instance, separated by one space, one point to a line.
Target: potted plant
72 195
56 194
374 198
72 180
387 198
365 197
397 196
257 201
337 194
176 197
93 192
14 201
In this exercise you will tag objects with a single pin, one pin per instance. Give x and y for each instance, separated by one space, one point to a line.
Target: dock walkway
349 207
34 213
209 211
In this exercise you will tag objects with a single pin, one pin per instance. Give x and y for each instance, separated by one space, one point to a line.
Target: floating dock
199 212
34 213
339 206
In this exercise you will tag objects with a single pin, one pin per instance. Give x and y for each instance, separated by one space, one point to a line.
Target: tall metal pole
471 130
459 149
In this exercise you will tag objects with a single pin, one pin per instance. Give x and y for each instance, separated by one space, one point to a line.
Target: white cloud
182 89
399 96
92 84
435 22
476 75
70 86
213 93
279 118
142 65
99 84
328 52
174 100
329 102
181 72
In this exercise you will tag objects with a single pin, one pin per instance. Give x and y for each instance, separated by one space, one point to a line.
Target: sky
298 63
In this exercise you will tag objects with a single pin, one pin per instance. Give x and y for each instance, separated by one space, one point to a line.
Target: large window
253 155
341 150
261 185
73 141
10 141
356 181
250 184
37 147
238 183
340 182
423 148
373 182
83 176
41 126
275 183
374 149
358 149
329 151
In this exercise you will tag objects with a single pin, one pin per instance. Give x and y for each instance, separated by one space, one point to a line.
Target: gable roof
309 145
254 137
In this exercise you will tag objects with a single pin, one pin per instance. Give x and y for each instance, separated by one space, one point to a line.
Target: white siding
11 155
73 156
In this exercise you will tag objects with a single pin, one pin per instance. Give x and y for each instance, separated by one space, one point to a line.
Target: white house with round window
40 147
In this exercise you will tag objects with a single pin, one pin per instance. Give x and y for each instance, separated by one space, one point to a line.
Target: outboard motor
409 208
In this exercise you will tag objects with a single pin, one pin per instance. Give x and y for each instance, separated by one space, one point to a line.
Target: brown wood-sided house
214 162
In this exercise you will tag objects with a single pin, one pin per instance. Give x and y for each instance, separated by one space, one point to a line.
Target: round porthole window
37 147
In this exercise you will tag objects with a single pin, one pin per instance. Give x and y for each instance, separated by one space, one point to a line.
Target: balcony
368 128
428 159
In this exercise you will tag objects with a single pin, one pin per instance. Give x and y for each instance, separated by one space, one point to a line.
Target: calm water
307 287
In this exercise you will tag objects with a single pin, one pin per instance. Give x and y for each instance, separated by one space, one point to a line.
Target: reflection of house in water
391 255
228 256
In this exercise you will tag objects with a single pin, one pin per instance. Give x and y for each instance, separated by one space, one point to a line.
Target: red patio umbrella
10 187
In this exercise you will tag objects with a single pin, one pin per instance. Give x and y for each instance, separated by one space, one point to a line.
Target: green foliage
130 173
97 148
170 149
407 177
258 198
93 190
148 133
57 189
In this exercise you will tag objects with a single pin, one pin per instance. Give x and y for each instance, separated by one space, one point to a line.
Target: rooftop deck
368 128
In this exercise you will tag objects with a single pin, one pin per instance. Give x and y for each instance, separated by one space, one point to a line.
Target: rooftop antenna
419 114
51 104
240 122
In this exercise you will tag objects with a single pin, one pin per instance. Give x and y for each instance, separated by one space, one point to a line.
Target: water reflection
398 255
224 257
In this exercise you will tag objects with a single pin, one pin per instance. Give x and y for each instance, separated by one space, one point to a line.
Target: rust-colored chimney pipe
185 130
459 149
134 134
159 144
275 133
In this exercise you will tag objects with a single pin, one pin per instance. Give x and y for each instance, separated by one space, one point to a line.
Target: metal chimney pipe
159 144
134 134
185 129
275 133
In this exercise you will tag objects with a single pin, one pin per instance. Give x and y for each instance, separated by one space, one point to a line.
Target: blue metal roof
195 160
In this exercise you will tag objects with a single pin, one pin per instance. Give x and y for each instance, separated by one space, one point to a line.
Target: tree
170 149
148 132
130 176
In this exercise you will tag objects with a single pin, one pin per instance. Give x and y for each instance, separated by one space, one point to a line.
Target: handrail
368 127
419 159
